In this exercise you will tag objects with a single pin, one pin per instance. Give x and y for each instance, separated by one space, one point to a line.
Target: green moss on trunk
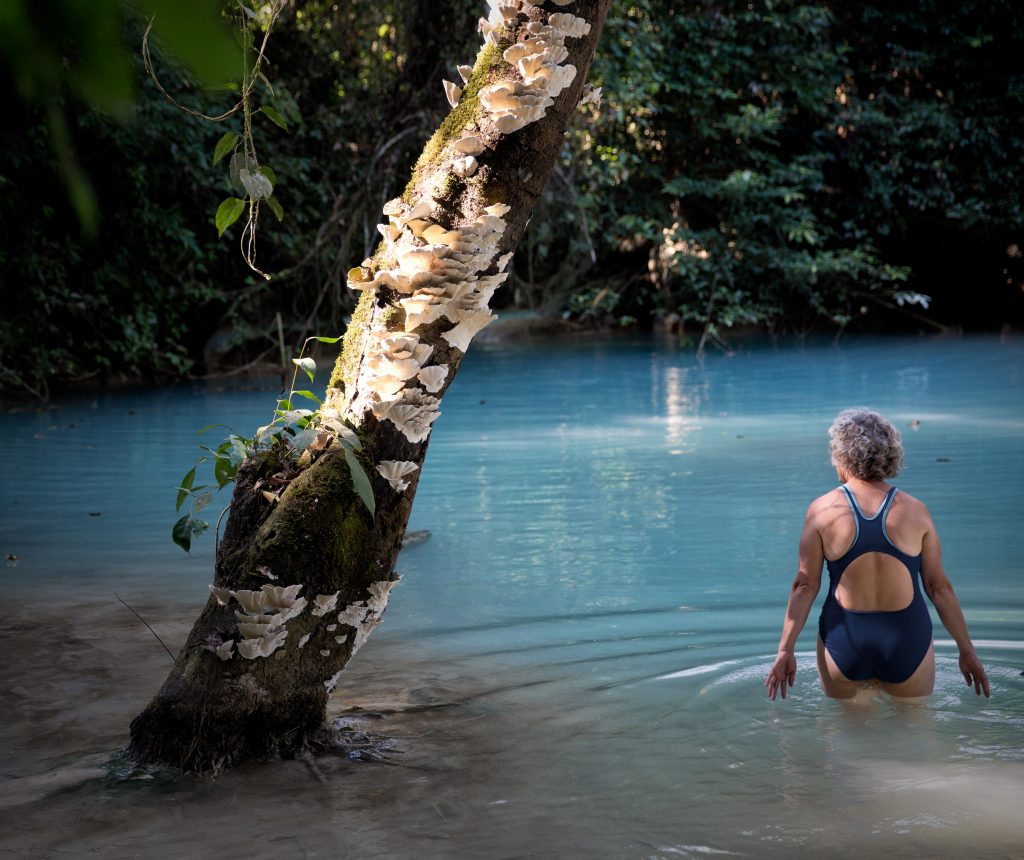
346 368
489 65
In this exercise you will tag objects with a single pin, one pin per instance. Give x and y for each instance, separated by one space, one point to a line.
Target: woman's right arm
940 591
810 558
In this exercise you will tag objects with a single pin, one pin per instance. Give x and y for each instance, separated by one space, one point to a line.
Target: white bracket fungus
508 11
433 377
570 26
412 414
453 92
223 595
266 645
591 96
467 328
379 593
224 650
325 603
469 145
332 682
353 614
465 166
393 471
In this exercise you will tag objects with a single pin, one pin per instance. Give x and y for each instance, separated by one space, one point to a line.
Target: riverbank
70 699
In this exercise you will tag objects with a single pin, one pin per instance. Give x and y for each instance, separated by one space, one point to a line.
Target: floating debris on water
415 538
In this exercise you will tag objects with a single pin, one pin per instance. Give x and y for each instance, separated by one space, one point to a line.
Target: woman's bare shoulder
910 508
827 503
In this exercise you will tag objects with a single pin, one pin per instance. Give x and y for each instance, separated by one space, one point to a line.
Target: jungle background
783 167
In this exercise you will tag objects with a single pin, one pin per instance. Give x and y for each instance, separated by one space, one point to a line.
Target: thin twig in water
144 621
306 757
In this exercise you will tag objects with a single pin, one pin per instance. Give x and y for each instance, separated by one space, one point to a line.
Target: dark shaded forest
786 167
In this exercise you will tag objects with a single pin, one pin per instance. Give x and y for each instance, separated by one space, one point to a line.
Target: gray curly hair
865 445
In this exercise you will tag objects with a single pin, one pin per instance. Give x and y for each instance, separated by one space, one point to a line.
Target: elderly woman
880 545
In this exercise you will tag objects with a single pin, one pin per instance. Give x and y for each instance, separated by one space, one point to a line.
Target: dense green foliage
796 166
772 163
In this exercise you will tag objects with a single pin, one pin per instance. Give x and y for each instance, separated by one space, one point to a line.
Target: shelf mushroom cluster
437 273
262 619
540 60
362 616
438 277
265 613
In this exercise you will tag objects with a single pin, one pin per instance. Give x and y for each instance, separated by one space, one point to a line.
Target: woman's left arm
940 591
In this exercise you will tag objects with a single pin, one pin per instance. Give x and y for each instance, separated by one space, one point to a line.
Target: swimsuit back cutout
886 645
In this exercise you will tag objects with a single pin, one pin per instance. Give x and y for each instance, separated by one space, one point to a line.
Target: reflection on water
572 665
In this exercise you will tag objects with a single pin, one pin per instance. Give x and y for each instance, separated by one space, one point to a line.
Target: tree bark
300 583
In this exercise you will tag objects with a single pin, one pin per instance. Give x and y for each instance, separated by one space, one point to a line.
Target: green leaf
269 173
267 430
256 185
218 454
239 449
348 438
360 481
201 501
227 213
329 339
308 365
304 438
224 471
266 82
239 162
309 395
274 116
276 208
294 415
181 533
186 487
224 146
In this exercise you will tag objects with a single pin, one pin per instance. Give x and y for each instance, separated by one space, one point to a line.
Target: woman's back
874 581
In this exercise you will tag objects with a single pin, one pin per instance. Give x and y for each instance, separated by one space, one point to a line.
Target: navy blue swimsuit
888 646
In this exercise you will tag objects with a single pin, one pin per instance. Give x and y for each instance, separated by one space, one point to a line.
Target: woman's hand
783 673
974 672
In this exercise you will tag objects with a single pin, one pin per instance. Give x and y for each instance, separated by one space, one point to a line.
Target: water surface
572 665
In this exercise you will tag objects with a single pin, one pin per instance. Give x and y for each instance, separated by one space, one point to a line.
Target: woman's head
865 445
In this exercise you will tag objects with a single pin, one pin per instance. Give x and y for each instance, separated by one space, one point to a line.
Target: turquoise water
613 536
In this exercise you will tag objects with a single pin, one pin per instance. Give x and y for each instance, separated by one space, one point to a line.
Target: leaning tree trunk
300 583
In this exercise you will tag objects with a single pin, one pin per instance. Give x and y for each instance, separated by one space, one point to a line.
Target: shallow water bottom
497 759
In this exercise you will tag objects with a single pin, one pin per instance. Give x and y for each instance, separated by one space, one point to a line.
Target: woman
880 545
